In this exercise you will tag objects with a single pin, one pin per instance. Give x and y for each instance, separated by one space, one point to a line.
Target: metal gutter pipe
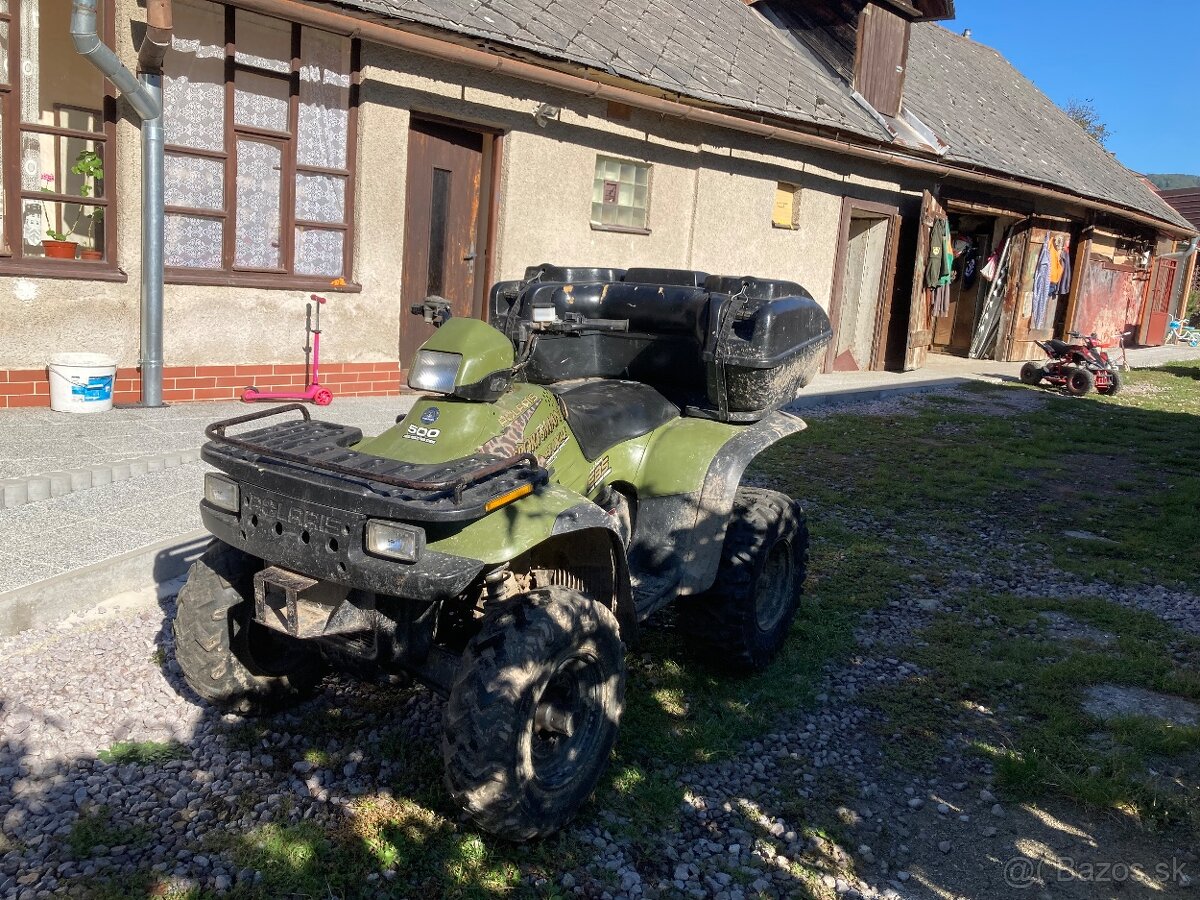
144 94
390 36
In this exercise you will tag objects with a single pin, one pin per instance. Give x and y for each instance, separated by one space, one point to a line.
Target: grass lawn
917 494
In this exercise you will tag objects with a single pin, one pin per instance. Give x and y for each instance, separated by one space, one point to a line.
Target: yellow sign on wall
786 213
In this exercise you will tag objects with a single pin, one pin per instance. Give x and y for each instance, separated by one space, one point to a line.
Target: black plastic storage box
766 341
721 347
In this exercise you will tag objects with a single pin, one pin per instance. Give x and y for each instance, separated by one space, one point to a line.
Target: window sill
73 270
619 229
210 278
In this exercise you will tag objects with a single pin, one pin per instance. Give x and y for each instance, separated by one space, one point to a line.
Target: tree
1083 113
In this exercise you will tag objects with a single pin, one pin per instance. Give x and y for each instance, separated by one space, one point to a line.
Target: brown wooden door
920 327
860 305
441 225
1158 312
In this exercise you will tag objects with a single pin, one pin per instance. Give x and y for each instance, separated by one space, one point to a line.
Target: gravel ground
888 832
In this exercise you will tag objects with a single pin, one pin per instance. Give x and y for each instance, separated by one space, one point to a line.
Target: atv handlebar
436 310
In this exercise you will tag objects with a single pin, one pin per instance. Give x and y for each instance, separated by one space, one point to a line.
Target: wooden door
862 288
1158 310
920 328
441 225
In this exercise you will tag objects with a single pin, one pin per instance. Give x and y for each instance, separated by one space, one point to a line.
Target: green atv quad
572 466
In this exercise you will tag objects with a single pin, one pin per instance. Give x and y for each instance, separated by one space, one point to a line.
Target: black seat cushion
604 413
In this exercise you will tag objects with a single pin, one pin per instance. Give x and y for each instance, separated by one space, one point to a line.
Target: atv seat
1057 347
604 413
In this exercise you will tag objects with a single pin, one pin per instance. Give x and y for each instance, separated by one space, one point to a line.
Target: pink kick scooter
316 392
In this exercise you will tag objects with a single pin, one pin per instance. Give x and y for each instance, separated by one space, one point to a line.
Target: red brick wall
31 387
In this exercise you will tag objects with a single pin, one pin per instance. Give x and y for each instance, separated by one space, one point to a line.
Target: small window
620 195
786 212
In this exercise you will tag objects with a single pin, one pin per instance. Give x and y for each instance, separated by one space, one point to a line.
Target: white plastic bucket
82 382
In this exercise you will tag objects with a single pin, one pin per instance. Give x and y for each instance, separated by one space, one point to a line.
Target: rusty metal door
1158 311
920 325
1109 298
441 225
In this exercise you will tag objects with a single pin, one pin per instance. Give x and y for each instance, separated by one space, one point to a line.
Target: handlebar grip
317 298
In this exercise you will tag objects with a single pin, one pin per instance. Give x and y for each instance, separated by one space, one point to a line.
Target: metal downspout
144 94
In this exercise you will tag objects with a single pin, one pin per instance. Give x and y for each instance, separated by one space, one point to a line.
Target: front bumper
326 542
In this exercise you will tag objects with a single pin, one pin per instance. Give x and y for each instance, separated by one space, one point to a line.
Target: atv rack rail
455 486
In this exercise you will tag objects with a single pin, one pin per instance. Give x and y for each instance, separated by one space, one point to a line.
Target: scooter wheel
323 398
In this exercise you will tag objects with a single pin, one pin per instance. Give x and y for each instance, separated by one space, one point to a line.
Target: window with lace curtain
57 121
259 118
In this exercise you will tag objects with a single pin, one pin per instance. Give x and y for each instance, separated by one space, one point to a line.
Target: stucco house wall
710 208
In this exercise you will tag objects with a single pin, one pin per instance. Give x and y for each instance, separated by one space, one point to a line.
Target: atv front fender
553 521
518 527
679 536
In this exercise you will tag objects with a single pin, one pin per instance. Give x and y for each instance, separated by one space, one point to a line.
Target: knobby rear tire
766 541
226 657
1031 373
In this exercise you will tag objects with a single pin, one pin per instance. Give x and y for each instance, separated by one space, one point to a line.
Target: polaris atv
572 466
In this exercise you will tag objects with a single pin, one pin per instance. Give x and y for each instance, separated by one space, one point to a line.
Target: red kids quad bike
1077 368
315 392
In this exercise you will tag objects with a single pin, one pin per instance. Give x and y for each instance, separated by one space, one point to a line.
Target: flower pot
60 249
91 254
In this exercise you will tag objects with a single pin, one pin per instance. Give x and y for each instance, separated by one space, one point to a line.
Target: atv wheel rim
774 589
568 721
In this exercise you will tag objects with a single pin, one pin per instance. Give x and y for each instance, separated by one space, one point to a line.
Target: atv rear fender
677 544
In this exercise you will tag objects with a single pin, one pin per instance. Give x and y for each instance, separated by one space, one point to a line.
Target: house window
57 119
259 117
620 195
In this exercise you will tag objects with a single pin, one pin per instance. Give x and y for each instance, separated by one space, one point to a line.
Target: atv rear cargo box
722 347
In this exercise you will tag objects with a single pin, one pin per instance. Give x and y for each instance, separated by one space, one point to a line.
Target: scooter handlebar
317 298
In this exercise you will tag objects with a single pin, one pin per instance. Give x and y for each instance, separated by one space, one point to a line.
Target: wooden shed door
920 325
441 225
1158 313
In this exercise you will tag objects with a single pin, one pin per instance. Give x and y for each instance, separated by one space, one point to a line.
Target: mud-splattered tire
1114 384
1031 373
743 619
1080 382
533 712
226 657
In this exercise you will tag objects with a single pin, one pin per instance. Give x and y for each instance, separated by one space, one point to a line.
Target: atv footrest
278 603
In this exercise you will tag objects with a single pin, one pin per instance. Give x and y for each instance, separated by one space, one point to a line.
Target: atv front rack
326 450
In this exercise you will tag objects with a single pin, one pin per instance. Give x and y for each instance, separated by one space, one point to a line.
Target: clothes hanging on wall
940 268
1052 277
1062 284
941 301
1041 288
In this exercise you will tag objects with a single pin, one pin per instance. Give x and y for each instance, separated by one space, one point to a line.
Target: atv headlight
434 371
222 492
392 541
